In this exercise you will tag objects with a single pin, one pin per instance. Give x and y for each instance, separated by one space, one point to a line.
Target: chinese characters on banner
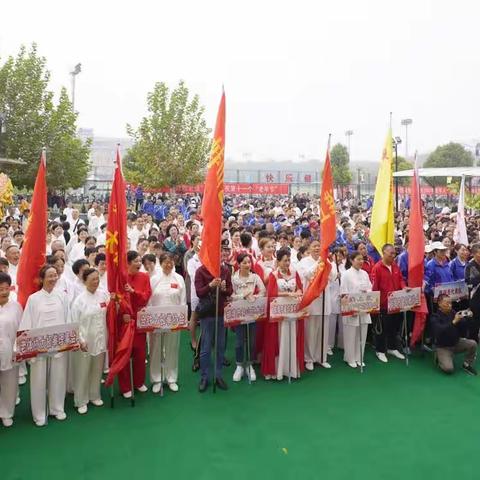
455 290
170 317
244 311
46 341
285 308
404 300
354 303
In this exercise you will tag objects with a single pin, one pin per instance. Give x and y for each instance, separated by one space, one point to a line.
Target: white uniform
314 351
168 290
192 265
335 317
10 317
89 310
355 281
77 252
45 309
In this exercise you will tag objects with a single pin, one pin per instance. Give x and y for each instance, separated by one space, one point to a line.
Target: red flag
120 336
212 204
416 252
32 257
327 236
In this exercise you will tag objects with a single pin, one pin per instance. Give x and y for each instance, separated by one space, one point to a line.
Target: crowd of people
270 247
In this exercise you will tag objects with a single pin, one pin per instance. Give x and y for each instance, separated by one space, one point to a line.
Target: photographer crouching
450 329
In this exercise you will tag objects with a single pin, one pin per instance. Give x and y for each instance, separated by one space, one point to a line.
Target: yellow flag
381 227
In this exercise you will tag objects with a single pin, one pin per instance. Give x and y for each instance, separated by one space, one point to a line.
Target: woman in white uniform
169 290
10 317
355 280
335 321
89 310
46 308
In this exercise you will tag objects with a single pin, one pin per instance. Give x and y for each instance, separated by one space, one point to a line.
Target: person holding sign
164 345
355 280
89 310
47 308
283 350
437 270
246 286
10 317
386 277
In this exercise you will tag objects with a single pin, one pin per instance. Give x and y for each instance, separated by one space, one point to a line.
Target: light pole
76 71
348 134
396 142
406 122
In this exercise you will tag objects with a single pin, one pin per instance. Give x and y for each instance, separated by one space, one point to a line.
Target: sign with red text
286 308
239 312
46 341
355 303
455 290
404 300
168 318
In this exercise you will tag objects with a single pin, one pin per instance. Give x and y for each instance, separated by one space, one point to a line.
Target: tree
449 155
340 160
403 165
171 145
32 121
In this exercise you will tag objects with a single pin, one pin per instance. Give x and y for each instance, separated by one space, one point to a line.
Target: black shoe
221 384
203 385
226 362
196 365
469 369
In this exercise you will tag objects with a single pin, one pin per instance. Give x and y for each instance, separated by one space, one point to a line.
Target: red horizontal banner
230 188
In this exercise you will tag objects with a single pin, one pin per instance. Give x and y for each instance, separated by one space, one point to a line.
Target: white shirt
244 286
45 309
192 266
355 281
10 317
169 290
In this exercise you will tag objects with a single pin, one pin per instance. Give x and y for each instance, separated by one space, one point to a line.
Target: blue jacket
457 269
437 273
402 261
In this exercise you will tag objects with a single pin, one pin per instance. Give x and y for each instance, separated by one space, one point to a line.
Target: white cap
438 246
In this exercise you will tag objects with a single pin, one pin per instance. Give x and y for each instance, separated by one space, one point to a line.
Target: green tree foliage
340 165
403 165
449 155
32 121
172 143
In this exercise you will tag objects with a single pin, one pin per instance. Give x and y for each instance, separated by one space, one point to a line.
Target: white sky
293 71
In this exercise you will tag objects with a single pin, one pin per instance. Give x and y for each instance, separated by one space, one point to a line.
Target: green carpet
392 422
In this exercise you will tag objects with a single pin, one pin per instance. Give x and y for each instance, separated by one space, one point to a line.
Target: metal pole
405 326
289 325
215 342
396 178
132 400
360 337
161 364
323 326
47 388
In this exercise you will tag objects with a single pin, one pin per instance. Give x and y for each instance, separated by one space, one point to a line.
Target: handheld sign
239 312
39 342
168 318
455 290
286 308
404 300
365 302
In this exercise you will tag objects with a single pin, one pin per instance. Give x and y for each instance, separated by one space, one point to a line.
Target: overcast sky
293 71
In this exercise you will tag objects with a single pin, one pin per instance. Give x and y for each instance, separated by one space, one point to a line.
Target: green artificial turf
392 422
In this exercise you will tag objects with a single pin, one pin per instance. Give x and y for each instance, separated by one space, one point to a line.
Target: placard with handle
364 302
240 312
163 318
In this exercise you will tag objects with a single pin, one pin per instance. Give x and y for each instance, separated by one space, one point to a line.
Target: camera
465 313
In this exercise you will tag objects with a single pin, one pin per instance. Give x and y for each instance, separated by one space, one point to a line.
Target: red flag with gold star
328 229
120 335
212 203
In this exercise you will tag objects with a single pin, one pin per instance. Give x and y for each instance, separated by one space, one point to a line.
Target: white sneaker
238 374
61 416
127 394
98 402
309 366
326 365
279 378
17 401
352 364
329 351
251 374
40 423
396 354
22 380
82 410
156 387
7 422
382 357
360 365
173 387
268 377
142 389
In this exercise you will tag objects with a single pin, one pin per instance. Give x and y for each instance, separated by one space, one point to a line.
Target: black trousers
386 331
473 323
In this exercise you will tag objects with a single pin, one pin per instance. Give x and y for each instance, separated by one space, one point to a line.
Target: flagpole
215 342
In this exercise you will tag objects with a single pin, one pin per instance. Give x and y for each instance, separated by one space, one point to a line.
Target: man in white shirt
76 221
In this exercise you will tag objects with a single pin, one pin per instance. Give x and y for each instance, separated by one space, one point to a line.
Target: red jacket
385 281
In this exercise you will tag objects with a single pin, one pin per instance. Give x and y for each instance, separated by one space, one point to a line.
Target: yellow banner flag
382 224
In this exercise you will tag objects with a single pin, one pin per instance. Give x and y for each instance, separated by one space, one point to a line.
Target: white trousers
170 343
70 372
287 349
8 392
88 376
334 320
351 341
22 369
57 386
313 338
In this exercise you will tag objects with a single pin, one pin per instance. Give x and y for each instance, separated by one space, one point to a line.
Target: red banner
230 188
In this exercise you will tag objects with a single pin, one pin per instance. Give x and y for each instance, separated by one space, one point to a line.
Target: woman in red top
139 290
368 261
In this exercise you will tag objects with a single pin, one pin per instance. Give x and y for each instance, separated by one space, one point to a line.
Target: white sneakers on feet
61 416
382 357
352 364
40 423
82 410
173 387
17 401
309 365
7 422
329 351
326 365
127 394
156 387
142 389
251 374
238 374
396 354
268 377
360 364
22 380
98 402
